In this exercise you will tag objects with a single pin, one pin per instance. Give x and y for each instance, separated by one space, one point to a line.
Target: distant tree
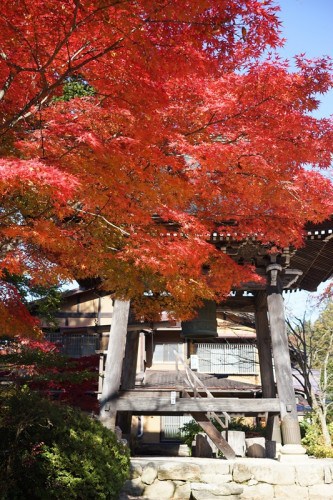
311 348
37 364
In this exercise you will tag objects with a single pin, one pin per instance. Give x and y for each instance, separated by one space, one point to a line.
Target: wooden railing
195 383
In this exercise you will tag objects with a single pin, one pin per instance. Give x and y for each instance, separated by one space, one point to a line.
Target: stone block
183 450
206 495
236 439
275 473
265 471
218 489
182 492
327 475
258 492
149 473
230 489
215 466
270 449
291 491
205 487
241 473
309 473
133 487
292 459
135 470
321 492
255 447
126 496
160 490
179 471
216 478
203 447
293 453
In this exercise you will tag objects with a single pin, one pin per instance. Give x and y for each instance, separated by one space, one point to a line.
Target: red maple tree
39 366
192 126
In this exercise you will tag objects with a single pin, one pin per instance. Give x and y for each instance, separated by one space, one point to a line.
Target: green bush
51 451
313 440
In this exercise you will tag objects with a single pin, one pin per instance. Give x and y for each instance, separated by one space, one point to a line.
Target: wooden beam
164 404
237 303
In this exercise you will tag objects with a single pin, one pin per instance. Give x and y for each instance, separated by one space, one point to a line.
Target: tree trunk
322 420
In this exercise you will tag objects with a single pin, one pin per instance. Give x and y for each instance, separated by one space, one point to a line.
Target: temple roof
155 379
315 258
304 268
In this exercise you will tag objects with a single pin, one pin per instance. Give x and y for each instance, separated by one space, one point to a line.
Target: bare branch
125 233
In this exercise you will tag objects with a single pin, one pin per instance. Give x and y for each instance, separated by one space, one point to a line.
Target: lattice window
170 427
75 345
228 359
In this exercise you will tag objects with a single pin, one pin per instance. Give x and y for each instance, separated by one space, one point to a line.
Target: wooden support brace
209 428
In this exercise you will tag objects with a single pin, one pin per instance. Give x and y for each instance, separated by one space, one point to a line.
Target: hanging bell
204 324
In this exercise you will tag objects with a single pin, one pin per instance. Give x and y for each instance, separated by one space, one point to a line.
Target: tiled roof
171 379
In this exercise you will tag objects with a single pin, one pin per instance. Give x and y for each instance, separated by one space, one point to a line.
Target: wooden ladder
204 419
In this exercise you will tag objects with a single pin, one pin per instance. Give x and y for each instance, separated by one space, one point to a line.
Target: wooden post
265 361
114 361
264 346
130 361
124 419
282 364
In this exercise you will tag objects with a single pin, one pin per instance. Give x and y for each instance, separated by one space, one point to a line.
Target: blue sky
307 27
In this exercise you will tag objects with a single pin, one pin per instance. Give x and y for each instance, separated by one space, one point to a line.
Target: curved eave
315 260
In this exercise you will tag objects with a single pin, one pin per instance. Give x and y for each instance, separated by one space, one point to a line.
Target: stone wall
157 478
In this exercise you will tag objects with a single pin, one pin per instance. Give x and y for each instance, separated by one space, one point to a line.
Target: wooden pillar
264 346
265 361
283 374
114 361
130 361
124 419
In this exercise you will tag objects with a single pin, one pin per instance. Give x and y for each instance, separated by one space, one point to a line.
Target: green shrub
313 440
189 431
52 451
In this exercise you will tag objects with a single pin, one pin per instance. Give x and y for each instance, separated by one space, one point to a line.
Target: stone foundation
157 478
